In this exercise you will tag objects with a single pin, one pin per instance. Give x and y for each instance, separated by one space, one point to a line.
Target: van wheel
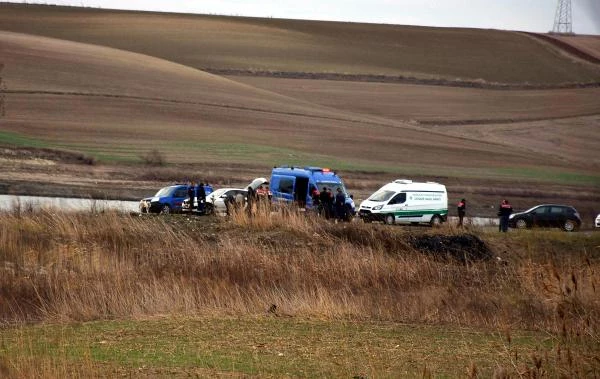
435 221
165 209
569 226
390 219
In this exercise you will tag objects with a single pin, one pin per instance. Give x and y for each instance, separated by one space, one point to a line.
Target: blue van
296 184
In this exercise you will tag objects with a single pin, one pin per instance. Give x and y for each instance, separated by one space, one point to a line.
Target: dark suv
547 216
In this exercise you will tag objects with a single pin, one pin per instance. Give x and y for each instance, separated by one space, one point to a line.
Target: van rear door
301 191
282 187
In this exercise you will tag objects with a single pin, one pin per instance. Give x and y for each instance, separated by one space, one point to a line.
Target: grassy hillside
306 46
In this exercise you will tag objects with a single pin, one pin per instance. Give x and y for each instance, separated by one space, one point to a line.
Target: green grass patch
273 347
16 139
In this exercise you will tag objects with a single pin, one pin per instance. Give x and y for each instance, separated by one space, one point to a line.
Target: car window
398 199
286 185
180 193
164 192
557 210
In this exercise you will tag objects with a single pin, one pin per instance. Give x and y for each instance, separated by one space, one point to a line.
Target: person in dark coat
191 194
250 201
326 198
340 205
461 208
201 195
316 200
504 212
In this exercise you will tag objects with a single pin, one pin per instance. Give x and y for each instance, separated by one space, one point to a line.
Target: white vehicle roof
221 191
409 185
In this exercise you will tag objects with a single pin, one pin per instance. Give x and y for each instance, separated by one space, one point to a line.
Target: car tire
521 224
166 209
435 221
143 209
389 219
569 226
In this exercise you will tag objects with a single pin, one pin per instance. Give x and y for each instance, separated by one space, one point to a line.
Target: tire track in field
425 122
397 79
188 102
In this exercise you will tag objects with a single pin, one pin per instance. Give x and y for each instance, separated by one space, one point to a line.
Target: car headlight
511 217
377 207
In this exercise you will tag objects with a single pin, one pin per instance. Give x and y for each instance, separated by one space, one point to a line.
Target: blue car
166 200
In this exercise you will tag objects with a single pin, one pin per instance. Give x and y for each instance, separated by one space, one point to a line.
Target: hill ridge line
565 47
394 79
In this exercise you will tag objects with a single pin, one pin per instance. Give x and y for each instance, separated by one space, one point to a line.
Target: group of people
504 212
329 205
197 191
252 201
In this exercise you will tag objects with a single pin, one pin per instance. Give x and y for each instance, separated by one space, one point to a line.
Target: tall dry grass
84 266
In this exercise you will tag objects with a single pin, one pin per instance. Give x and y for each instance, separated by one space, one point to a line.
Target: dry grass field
170 296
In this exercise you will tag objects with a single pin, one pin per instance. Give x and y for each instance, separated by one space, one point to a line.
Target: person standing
201 195
316 201
504 212
324 201
340 205
461 208
191 194
250 201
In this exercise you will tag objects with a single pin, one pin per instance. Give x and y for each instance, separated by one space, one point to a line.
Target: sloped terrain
306 46
117 104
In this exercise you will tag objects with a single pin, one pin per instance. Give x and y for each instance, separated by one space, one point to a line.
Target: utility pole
563 21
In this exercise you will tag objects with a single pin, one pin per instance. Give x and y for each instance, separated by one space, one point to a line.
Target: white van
406 202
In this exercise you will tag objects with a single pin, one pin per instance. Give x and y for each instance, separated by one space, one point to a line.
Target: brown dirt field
588 44
306 46
576 139
431 104
54 98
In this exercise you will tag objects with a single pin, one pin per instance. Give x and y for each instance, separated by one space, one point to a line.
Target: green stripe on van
420 212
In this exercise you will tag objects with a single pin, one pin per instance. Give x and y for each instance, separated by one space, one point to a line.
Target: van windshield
380 196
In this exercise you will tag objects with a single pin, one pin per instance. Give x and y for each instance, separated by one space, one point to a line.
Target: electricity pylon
563 21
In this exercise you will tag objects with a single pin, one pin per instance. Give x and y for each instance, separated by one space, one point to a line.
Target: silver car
215 202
